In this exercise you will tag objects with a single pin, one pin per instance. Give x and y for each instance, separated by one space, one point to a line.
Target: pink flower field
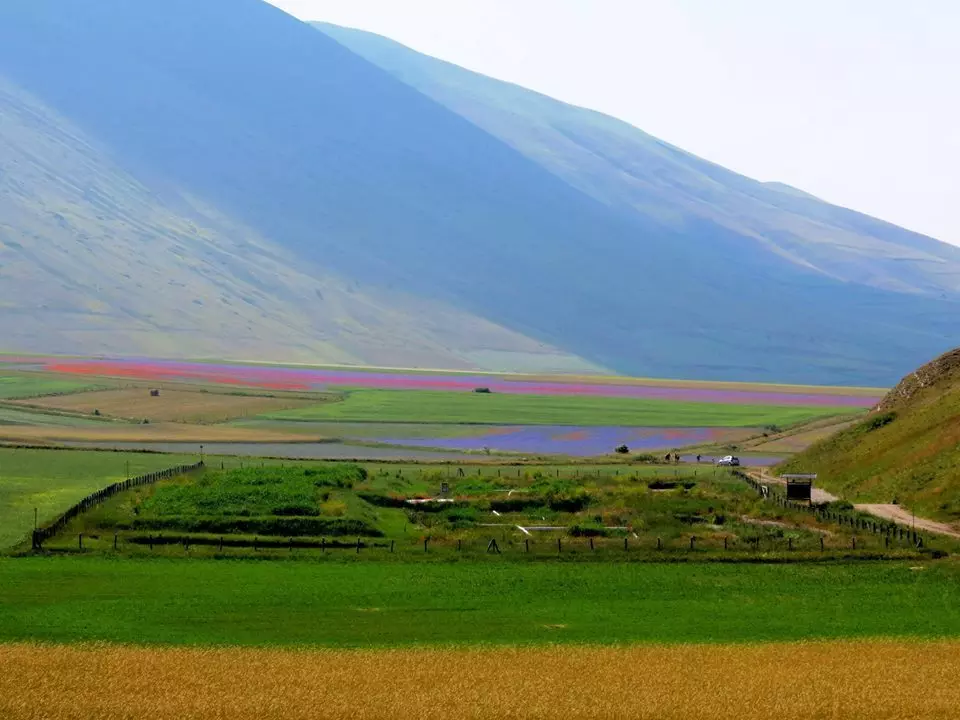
309 378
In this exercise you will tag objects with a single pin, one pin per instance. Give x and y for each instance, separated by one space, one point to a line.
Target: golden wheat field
840 680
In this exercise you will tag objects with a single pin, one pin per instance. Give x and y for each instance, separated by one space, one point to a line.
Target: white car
729 461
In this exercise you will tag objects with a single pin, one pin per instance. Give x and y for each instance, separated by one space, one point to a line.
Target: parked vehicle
729 461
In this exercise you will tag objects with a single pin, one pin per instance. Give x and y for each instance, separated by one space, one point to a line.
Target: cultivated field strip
875 680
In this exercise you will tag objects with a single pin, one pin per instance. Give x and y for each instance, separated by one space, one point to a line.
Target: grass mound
906 451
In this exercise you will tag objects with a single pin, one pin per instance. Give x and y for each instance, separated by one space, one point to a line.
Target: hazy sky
857 101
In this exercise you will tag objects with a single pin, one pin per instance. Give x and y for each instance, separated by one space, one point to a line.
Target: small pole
425 541
790 543
80 541
725 543
692 541
527 545
559 546
358 546
659 544
114 541
853 542
821 543
221 543
625 544
323 545
458 544
391 546
591 543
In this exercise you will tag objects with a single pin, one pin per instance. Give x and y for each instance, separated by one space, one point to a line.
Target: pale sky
856 101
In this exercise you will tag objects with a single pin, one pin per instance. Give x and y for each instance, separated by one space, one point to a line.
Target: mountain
907 450
219 179
92 260
628 169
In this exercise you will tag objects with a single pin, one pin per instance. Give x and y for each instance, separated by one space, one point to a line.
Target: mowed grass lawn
343 603
53 480
433 406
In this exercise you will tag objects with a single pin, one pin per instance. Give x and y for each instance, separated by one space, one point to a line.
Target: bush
516 504
588 530
279 526
878 421
381 500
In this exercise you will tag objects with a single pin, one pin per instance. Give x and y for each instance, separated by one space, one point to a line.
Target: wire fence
41 535
826 514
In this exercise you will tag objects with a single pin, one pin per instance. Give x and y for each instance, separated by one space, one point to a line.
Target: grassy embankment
428 406
52 480
908 451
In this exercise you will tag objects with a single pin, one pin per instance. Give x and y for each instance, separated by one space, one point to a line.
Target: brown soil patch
182 406
161 432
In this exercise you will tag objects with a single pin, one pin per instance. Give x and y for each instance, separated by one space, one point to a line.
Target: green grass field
429 406
18 385
364 604
52 480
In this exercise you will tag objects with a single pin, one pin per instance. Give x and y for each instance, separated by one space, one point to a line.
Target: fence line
43 534
879 527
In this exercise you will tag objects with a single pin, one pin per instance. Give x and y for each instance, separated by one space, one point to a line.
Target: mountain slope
92 260
907 450
244 153
625 167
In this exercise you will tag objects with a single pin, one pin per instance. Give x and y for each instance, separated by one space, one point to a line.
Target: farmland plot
171 405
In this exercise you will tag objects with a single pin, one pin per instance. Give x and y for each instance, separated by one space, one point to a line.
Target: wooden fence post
692 541
459 541
80 540
526 544
591 543
659 544
425 541
391 546
559 546
625 544
323 545
115 541
221 543
358 546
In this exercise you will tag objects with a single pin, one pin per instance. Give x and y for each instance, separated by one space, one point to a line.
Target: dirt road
903 516
896 513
